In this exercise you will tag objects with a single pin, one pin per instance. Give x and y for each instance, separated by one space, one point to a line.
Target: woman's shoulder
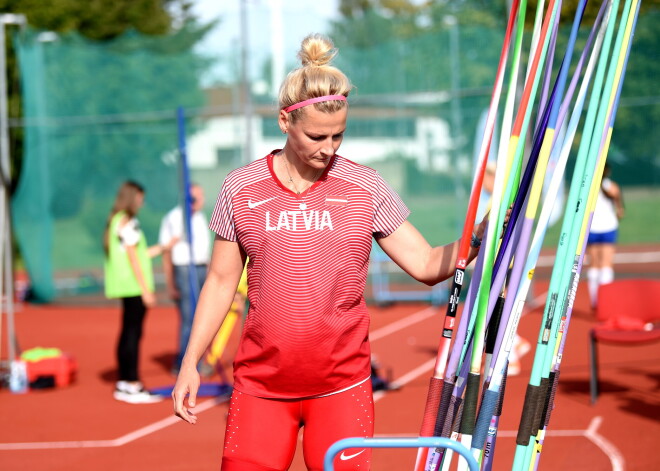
119 219
128 223
345 167
247 174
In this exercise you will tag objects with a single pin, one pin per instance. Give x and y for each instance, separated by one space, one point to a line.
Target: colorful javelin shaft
565 269
516 146
561 156
492 395
596 147
552 195
505 134
479 431
435 387
449 409
454 404
547 79
444 428
521 124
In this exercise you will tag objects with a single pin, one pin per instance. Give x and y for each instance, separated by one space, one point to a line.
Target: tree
406 41
99 20
396 48
568 8
91 93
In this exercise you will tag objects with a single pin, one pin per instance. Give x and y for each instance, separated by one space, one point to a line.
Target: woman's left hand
480 229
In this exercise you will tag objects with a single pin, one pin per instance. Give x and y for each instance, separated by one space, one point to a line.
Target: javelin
455 358
544 218
435 387
508 111
492 395
519 203
565 270
553 190
605 142
515 149
533 388
595 153
447 387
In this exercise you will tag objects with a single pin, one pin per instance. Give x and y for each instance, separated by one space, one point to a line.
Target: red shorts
262 434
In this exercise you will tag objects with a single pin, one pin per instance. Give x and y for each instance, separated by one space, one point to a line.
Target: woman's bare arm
215 299
430 265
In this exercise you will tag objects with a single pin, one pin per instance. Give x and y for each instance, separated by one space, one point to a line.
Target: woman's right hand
185 393
149 299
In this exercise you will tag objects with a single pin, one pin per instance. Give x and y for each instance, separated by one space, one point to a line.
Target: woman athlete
305 218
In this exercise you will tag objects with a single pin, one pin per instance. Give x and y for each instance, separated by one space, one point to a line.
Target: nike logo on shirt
344 457
252 205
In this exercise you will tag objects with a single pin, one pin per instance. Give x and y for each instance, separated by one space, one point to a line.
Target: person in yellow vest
129 277
214 353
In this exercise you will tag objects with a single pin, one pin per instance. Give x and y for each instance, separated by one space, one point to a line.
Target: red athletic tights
262 434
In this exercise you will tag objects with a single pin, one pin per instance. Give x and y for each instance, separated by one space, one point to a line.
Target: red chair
627 312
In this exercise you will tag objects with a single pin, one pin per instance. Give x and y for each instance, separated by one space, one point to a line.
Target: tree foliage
393 32
569 7
101 21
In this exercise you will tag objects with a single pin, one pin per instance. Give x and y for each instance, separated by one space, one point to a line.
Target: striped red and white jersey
306 331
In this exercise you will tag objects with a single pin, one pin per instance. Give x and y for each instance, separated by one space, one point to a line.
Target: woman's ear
283 121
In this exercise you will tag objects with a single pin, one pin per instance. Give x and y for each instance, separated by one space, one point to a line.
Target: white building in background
222 139
378 136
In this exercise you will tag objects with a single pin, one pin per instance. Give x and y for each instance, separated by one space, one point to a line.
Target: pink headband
311 101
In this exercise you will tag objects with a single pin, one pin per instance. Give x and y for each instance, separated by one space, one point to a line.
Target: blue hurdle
397 442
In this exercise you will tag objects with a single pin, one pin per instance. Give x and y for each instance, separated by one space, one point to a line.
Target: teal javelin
572 222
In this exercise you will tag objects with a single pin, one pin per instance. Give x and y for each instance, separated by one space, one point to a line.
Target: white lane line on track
123 440
414 318
166 422
610 450
615 456
619 257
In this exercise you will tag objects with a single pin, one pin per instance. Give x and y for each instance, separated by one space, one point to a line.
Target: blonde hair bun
316 77
316 50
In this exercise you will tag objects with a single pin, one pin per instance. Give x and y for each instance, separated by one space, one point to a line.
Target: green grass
77 249
640 224
440 218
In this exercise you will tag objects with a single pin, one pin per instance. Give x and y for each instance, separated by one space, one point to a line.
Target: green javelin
507 119
565 276
505 133
515 149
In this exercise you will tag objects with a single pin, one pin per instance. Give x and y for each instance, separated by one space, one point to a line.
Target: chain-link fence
98 114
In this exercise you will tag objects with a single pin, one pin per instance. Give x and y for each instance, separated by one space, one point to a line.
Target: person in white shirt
181 259
601 244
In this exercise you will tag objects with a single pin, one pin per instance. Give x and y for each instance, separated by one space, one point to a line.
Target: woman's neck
291 175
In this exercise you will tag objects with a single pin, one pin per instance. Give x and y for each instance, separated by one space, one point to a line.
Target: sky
298 19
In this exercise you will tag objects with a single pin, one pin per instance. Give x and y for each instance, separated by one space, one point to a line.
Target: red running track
81 427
